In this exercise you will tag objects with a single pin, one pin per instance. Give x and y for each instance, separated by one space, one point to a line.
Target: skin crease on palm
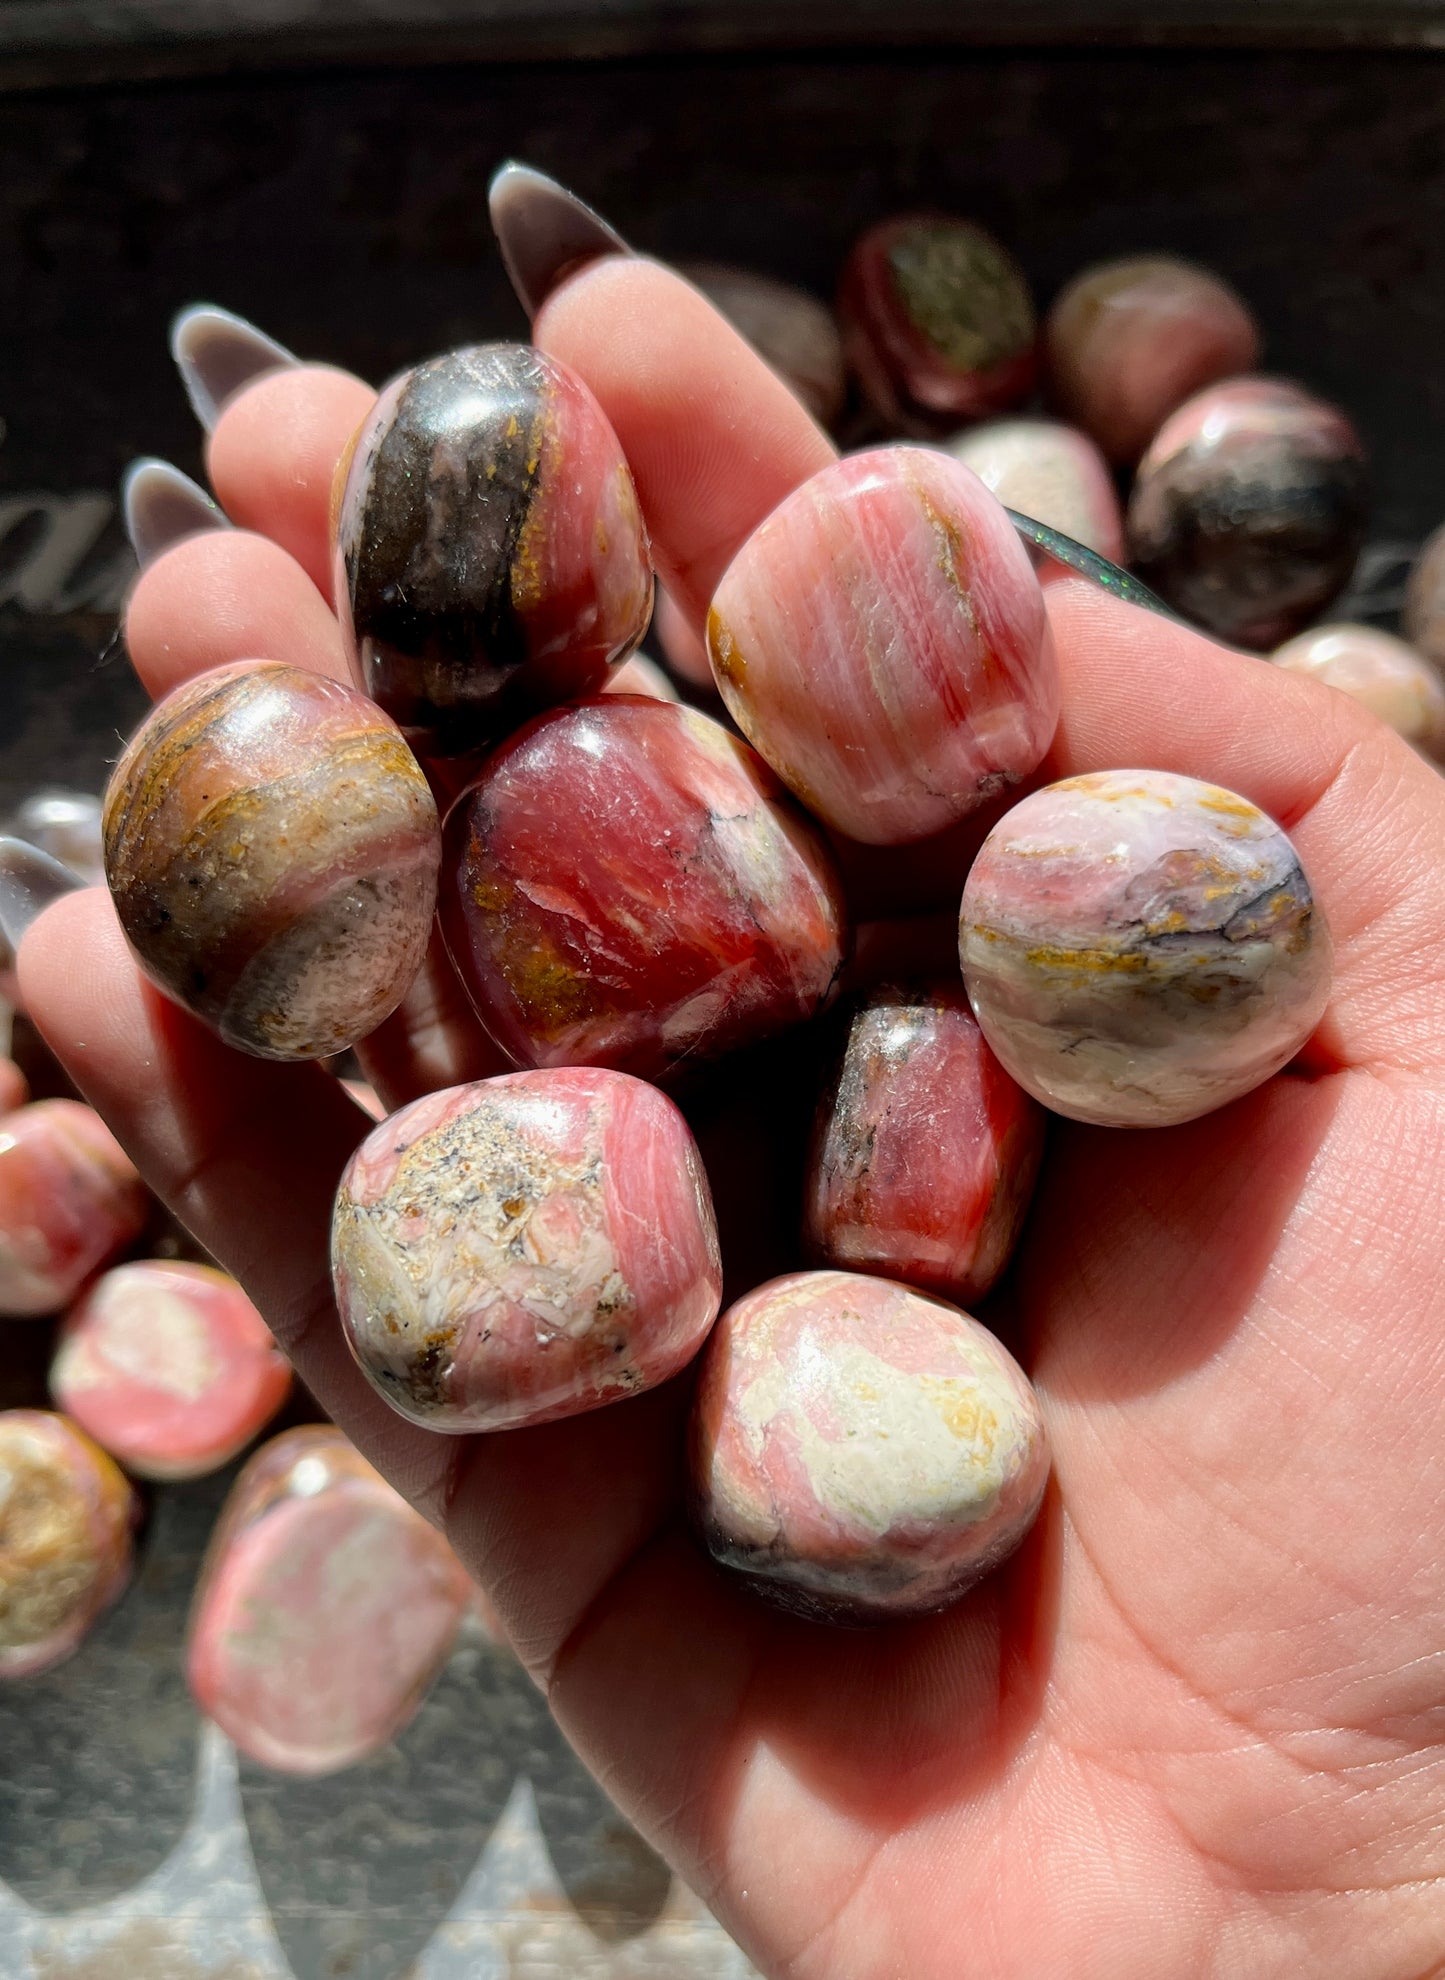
1195 1727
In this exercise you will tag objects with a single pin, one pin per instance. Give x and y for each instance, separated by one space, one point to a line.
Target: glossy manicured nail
162 506
544 231
217 353
1088 563
29 881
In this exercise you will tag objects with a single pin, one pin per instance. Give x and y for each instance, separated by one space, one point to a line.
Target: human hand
1193 1727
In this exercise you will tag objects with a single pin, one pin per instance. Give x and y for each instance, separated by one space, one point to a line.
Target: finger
432 1040
272 458
1366 814
247 1154
714 438
228 596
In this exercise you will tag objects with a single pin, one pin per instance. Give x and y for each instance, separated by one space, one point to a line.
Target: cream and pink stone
1141 948
860 1451
525 1248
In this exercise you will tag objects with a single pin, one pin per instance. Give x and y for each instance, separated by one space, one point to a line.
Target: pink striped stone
880 639
861 1451
925 1151
525 1248
325 1609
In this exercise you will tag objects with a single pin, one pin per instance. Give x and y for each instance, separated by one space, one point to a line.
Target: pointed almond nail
217 354
162 506
544 232
29 881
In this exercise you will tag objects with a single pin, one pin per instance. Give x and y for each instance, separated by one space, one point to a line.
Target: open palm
1194 1728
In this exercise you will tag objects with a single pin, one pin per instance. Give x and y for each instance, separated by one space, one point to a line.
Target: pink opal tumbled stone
70 1200
325 1609
861 1451
491 557
1128 341
1141 948
881 640
1050 472
1249 508
1374 668
525 1248
938 322
169 1367
627 885
66 1520
925 1151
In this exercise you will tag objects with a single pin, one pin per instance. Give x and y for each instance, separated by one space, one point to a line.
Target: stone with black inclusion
490 553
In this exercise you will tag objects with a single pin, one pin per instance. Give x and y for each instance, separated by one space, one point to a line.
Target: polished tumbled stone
938 323
626 884
525 1248
1128 341
861 1451
272 847
169 1367
326 1607
925 1151
66 1520
1141 948
1249 509
70 1201
881 640
490 554
1383 673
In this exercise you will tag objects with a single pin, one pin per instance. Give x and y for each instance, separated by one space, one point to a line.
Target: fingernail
544 232
1088 563
29 881
162 506
217 353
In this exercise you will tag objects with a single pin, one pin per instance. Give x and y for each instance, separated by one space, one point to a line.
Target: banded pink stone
925 1151
325 1609
880 639
861 1451
525 1248
69 1201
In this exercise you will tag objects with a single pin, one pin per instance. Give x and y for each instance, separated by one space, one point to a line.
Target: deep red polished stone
925 1151
627 885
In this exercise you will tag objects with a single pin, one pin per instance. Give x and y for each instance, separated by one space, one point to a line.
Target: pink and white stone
627 885
169 1367
1141 948
66 1520
1127 341
925 1152
881 640
861 1451
1052 473
70 1200
525 1248
325 1609
1388 677
1249 508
